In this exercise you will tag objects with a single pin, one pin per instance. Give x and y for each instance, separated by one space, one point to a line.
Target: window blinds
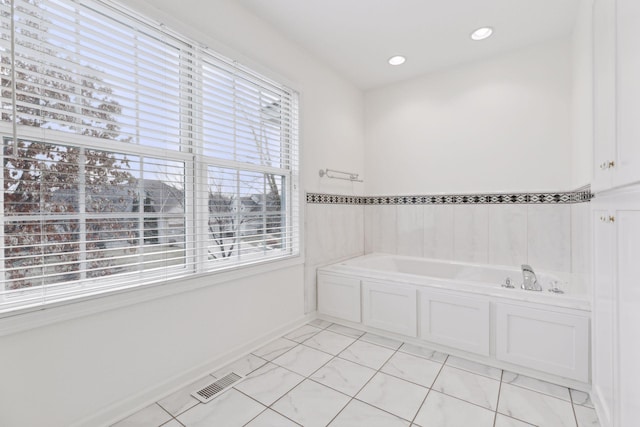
132 154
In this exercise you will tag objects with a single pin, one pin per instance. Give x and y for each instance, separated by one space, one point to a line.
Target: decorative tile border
331 199
581 195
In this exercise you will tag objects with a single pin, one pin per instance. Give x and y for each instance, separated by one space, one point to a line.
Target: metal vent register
216 388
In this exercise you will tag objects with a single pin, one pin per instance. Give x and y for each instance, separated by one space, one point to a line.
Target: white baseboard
130 405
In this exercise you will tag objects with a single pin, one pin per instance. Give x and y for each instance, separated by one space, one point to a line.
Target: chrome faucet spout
529 279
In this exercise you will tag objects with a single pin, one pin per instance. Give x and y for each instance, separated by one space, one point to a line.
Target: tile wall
551 233
333 232
548 237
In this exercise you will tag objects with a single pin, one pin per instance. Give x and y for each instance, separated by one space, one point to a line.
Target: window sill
34 317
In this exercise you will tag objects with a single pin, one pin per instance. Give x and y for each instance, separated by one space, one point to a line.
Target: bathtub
468 277
463 309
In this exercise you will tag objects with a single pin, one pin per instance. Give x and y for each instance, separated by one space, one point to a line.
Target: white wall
93 368
105 364
332 109
501 124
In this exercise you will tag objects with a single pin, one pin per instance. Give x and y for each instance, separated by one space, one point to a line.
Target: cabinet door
604 93
339 296
552 342
627 167
603 313
628 283
390 307
454 320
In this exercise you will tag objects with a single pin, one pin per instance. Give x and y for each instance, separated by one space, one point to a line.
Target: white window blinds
132 154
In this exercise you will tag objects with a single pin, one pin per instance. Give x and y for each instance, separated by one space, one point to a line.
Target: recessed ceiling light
397 60
482 33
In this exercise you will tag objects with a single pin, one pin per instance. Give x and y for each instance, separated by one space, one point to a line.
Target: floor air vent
214 389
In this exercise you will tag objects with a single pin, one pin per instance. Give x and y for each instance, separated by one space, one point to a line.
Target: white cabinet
628 272
451 319
616 333
603 314
339 296
604 93
543 340
616 93
390 307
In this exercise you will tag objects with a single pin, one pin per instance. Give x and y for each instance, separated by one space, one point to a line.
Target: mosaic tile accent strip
581 195
331 199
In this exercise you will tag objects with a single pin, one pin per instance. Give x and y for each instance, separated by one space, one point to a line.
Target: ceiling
356 37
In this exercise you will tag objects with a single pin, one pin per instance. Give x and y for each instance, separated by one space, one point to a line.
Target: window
133 155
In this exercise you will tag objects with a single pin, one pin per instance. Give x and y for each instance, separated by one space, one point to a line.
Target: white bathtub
462 308
468 277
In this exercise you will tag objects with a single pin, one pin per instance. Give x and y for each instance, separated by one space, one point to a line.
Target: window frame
196 210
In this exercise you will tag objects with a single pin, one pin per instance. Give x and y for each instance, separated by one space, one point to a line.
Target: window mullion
190 142
82 211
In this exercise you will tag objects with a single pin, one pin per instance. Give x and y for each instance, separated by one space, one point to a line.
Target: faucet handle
526 267
508 283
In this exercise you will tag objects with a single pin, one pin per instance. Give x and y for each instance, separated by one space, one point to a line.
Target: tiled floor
327 374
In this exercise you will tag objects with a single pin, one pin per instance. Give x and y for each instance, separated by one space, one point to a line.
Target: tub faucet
529 279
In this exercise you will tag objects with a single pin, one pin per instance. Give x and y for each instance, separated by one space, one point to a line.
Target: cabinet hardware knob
608 219
611 164
603 166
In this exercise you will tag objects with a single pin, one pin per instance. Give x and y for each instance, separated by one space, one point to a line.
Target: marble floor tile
425 352
359 414
303 333
243 366
152 415
172 423
269 383
319 323
475 367
275 348
504 421
383 341
311 404
344 376
345 330
394 395
178 402
329 342
367 354
581 398
468 386
271 418
586 417
412 368
303 360
230 409
536 385
440 410
535 408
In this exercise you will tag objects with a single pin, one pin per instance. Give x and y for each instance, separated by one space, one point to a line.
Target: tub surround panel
540 235
508 234
409 231
380 229
580 243
471 233
438 231
333 233
549 237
